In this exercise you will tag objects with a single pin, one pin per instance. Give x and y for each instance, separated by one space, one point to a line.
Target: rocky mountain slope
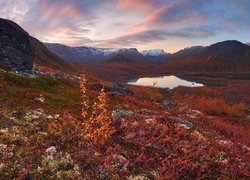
19 51
15 49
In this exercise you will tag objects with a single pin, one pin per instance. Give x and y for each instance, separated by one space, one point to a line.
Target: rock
183 122
51 151
248 117
15 47
50 117
122 113
169 103
120 89
41 99
25 74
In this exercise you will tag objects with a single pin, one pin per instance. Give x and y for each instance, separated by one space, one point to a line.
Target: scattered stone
168 103
150 121
183 122
122 113
225 142
120 89
198 135
41 99
51 151
25 74
50 117
6 130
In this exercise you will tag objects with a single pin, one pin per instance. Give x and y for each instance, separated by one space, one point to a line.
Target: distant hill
83 54
232 56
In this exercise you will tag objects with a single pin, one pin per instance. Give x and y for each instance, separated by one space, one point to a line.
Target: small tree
97 122
85 101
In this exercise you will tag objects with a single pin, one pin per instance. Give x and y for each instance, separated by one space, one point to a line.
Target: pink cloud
137 5
59 10
170 14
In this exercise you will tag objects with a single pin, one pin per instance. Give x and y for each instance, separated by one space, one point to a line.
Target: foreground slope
41 134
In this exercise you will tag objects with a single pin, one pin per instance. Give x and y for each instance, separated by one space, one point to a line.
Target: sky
144 24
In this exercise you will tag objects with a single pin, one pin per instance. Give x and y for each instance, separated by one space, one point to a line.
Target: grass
21 92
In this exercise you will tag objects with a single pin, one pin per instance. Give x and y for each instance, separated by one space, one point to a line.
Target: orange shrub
146 93
66 129
96 120
215 106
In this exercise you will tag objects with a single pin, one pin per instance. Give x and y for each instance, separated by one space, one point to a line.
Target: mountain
155 56
83 54
226 56
15 48
153 53
248 44
189 51
19 51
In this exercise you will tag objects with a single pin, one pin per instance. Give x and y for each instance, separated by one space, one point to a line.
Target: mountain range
19 51
226 56
90 54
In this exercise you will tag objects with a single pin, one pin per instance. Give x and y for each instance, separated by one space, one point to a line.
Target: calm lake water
164 82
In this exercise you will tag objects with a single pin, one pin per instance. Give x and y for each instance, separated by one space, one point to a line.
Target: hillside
45 58
42 137
227 56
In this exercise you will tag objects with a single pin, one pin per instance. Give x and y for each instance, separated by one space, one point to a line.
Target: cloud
157 35
136 5
177 14
130 22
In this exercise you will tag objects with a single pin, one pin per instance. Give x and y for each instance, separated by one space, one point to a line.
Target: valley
70 113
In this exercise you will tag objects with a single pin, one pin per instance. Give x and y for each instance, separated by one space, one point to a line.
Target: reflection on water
164 82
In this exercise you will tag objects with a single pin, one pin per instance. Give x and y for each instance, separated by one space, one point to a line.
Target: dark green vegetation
21 92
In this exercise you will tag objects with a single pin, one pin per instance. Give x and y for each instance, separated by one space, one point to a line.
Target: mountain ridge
230 55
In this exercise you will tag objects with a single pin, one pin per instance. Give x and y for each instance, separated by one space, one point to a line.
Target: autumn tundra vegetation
106 135
73 113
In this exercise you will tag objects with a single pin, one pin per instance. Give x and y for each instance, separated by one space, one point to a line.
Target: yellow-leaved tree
85 101
97 122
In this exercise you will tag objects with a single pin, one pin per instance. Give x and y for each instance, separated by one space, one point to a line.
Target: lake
164 82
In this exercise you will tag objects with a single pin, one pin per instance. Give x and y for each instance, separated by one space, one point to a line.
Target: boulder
15 47
118 88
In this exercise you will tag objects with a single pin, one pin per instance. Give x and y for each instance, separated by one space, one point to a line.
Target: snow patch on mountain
154 52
